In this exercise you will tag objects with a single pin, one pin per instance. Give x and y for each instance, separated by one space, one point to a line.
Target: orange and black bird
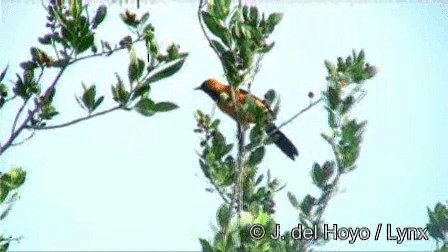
215 89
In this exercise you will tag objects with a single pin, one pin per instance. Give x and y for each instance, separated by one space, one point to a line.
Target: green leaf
135 69
330 67
206 247
98 102
307 204
18 176
270 96
267 48
145 106
223 216
333 98
347 104
292 198
166 72
331 118
88 98
205 168
141 90
227 4
274 19
220 9
255 135
259 179
4 191
215 26
4 247
263 218
99 16
3 90
253 15
164 106
120 94
76 8
144 18
85 43
153 48
227 149
218 45
2 75
256 156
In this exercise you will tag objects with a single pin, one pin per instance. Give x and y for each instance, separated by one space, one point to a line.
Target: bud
371 70
311 95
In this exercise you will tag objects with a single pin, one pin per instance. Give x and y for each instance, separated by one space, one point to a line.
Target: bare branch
312 104
140 38
76 120
18 115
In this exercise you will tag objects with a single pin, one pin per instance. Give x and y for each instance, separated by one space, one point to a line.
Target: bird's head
204 86
211 87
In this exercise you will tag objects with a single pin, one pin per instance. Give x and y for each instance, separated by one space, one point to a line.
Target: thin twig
220 191
16 119
24 140
76 120
10 98
312 104
105 53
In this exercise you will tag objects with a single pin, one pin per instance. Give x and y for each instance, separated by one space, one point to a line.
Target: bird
215 90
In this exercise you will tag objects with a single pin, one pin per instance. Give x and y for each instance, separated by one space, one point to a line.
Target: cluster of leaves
71 33
9 183
438 226
218 166
241 34
344 90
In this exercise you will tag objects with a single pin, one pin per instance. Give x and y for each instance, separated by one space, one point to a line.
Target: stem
312 104
31 114
14 124
220 191
140 38
76 120
240 168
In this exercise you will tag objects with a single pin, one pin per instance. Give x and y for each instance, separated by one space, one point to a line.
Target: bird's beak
197 88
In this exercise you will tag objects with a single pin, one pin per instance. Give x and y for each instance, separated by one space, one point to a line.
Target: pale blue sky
125 182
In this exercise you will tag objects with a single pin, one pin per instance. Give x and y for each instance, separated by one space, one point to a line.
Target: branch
312 104
31 113
140 38
18 115
220 191
24 103
238 194
76 120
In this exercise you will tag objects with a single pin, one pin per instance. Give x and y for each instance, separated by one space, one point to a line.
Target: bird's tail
282 142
